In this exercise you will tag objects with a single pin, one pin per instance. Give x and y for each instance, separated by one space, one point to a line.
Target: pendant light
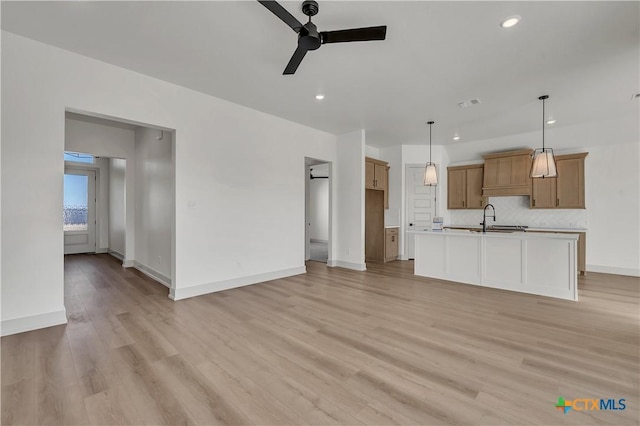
544 163
430 174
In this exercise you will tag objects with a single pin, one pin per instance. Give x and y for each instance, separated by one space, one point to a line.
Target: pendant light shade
544 162
430 173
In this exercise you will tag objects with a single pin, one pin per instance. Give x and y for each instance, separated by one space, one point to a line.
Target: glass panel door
79 211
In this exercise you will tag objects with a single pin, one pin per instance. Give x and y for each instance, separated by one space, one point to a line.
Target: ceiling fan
311 176
308 36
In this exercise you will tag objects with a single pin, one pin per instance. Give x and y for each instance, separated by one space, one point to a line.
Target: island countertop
529 262
500 234
530 228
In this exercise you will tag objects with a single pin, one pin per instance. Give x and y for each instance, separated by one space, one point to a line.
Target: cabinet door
474 199
369 173
456 189
570 187
380 173
386 189
391 246
543 194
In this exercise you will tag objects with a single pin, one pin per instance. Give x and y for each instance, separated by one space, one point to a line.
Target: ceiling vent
469 102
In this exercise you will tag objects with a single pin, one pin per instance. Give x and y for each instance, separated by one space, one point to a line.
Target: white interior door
421 204
79 211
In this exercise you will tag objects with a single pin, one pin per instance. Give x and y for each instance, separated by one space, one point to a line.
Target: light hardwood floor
328 347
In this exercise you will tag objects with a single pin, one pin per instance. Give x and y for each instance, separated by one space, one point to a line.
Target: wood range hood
507 173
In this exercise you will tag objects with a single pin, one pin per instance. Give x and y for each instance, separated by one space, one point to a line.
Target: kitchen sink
501 231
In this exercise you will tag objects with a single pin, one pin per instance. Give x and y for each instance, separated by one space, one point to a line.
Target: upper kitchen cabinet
377 177
464 187
507 173
543 193
565 191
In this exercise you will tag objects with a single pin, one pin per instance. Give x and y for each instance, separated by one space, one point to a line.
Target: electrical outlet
159 260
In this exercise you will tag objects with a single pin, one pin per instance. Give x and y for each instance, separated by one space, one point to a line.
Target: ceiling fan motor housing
308 37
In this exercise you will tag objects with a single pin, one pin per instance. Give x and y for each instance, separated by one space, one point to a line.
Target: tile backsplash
516 211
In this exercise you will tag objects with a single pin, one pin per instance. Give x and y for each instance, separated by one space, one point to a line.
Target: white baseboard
128 263
102 250
153 274
347 265
116 254
632 272
403 257
34 322
198 290
314 240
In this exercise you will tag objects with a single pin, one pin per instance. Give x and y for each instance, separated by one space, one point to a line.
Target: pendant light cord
542 124
430 123
429 142
543 98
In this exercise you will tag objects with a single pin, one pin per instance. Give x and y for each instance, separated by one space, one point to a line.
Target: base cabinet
391 244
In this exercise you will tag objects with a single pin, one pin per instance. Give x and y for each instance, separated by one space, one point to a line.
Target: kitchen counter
531 228
536 263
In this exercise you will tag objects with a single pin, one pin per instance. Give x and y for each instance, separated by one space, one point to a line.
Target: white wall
319 204
154 203
613 208
117 206
234 167
349 187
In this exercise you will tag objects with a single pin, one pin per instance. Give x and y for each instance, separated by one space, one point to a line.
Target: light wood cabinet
391 244
543 193
377 177
507 173
374 237
565 191
464 187
570 186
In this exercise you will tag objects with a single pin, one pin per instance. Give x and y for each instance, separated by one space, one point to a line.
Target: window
78 157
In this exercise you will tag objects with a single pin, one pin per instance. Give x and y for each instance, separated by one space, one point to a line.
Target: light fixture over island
535 263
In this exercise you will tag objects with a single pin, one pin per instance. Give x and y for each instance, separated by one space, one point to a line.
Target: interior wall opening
318 210
133 198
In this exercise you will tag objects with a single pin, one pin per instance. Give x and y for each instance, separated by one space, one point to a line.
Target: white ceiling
585 55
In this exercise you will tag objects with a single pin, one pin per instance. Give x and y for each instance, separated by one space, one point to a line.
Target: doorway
79 211
317 211
421 204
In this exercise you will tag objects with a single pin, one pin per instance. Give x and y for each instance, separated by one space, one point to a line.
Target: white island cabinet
534 263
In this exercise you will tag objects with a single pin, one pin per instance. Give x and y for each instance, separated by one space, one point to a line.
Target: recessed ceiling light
456 138
510 21
319 97
551 121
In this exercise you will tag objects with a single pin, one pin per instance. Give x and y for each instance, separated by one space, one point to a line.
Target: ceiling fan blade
295 60
355 34
282 13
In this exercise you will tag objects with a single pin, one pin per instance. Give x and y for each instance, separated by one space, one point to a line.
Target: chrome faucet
484 216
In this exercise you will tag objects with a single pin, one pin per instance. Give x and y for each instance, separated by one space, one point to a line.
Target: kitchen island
534 263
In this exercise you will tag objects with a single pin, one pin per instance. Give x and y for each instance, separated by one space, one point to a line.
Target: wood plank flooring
329 347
